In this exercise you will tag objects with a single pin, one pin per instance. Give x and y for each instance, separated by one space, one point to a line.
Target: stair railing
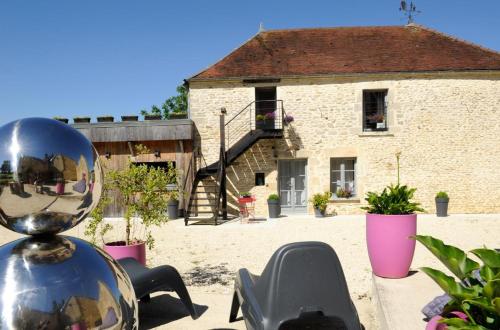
245 121
187 186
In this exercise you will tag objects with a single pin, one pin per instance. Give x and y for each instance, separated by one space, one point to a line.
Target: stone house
358 96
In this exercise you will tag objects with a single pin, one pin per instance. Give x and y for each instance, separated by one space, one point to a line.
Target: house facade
342 102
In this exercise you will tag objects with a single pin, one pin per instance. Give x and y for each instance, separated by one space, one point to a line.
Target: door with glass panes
292 176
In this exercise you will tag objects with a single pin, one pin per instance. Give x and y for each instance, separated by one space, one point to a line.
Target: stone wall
447 127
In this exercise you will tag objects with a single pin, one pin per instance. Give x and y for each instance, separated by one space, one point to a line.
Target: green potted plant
177 115
476 295
442 200
390 221
320 202
81 120
260 121
105 119
152 117
173 206
144 200
273 205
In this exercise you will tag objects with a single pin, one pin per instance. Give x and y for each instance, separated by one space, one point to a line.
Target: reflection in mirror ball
50 177
61 282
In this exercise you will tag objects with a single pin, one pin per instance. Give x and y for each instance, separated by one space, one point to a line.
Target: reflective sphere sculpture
60 282
50 177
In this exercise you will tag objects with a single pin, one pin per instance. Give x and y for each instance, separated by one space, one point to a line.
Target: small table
247 207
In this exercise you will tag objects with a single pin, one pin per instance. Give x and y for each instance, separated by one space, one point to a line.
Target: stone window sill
375 133
345 200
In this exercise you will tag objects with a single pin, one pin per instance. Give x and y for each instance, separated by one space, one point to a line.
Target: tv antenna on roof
409 10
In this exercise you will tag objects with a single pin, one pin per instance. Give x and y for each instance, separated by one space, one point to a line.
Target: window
343 177
375 110
260 179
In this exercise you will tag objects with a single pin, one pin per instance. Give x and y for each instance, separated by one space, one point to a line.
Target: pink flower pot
434 324
60 188
390 247
118 250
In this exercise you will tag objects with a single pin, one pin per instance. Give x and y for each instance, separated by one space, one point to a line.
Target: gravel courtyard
208 257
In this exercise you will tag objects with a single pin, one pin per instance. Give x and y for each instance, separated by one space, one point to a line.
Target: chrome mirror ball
50 180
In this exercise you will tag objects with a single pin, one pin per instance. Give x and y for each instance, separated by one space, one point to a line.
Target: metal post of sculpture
50 180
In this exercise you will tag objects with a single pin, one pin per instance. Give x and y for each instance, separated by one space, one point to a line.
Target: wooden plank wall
179 151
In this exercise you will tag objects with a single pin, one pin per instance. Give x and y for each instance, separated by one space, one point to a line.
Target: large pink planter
136 251
390 247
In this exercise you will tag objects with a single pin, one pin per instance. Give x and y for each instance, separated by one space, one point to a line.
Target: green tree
174 104
143 195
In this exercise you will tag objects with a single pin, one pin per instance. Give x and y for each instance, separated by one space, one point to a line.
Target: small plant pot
274 208
390 247
130 118
119 250
81 120
442 206
177 115
265 124
173 209
152 117
62 120
318 213
60 188
105 119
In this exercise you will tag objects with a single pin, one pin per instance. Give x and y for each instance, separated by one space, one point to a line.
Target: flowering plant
289 119
270 115
260 117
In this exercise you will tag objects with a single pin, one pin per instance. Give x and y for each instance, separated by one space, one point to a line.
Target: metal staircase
206 198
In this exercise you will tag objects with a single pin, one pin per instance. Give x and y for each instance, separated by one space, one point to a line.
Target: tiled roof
350 50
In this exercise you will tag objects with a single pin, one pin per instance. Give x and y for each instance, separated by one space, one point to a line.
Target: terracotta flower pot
118 250
390 247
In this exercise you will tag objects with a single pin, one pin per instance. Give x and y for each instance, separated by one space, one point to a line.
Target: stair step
201 205
206 212
200 199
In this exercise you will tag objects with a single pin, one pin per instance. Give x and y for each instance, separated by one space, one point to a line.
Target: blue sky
95 57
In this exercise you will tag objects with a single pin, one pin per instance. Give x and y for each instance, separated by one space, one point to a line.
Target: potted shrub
442 200
390 221
80 120
319 202
130 118
143 198
475 299
274 207
177 115
260 121
105 119
62 119
173 206
152 117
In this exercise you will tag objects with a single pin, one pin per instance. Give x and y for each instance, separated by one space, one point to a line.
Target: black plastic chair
163 278
302 287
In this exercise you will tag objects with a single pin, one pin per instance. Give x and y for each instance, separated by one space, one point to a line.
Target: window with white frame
375 110
343 177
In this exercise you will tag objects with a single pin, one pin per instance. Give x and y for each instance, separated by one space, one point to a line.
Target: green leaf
482 303
452 257
496 303
492 289
490 258
448 284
